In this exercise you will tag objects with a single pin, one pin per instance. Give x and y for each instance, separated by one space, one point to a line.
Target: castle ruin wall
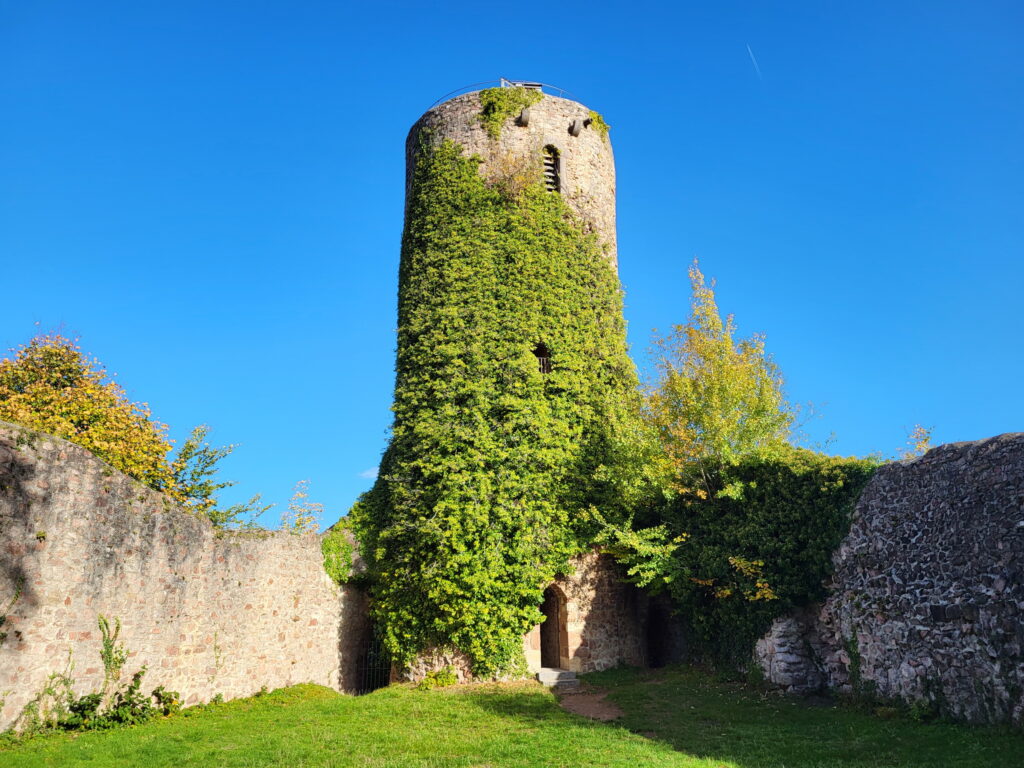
927 600
206 612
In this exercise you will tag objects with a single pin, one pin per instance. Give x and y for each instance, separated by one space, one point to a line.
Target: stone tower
587 169
515 398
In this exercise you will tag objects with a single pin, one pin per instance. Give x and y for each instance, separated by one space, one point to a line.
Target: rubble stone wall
927 600
207 613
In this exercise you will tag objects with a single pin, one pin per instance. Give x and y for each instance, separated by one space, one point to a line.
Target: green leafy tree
195 483
751 528
194 469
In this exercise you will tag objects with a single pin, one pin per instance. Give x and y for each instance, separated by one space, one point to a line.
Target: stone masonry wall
604 618
206 614
587 165
927 601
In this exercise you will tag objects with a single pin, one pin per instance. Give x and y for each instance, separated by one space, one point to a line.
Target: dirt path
591 703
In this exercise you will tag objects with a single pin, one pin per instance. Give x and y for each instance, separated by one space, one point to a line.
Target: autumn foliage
51 386
717 398
752 521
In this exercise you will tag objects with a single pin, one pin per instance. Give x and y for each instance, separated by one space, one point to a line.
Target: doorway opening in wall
373 668
659 635
554 643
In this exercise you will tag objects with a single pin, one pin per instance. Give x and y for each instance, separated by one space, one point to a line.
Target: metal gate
374 665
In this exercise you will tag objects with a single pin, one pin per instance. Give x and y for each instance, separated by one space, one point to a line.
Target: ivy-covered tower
516 425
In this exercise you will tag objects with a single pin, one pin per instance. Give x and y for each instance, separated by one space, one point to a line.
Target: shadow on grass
730 723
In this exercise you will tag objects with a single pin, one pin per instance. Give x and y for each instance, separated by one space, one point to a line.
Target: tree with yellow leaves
716 398
919 442
50 385
749 532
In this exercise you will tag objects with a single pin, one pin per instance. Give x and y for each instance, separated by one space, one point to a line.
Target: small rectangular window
552 169
543 358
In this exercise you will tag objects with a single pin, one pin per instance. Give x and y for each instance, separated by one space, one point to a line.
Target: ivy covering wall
500 104
749 557
493 467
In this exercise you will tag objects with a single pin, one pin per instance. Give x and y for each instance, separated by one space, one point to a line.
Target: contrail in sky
753 60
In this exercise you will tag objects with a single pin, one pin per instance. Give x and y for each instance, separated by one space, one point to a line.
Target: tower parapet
586 167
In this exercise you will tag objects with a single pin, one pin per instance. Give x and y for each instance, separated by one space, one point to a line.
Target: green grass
685 717
739 725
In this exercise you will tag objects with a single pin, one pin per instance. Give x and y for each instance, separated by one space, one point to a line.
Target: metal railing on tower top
504 82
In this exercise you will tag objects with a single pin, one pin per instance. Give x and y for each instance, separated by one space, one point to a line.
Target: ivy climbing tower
516 428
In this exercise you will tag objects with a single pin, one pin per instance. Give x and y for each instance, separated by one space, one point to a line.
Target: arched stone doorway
554 641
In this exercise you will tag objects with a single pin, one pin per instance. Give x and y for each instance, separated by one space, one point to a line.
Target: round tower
528 130
516 403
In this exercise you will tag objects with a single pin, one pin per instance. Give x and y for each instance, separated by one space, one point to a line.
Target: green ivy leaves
499 104
484 490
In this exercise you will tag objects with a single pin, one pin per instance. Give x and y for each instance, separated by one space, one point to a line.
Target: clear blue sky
210 195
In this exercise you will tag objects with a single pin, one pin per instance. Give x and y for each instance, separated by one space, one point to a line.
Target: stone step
551 676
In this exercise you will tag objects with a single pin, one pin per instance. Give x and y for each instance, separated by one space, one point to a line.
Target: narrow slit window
543 358
552 169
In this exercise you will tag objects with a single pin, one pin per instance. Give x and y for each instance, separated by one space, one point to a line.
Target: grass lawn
740 726
676 717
